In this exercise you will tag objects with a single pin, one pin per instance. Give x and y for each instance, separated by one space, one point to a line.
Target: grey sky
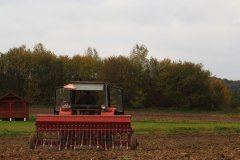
201 31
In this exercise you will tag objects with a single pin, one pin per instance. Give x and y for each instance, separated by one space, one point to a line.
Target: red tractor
86 115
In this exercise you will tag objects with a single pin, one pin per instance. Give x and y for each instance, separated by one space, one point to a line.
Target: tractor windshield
84 98
87 97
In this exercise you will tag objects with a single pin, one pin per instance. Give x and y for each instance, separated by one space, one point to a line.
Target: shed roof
11 95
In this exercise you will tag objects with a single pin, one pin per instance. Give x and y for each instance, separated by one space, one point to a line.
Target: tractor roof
88 85
88 82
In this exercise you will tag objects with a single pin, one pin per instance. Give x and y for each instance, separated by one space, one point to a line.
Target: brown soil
34 111
169 116
151 147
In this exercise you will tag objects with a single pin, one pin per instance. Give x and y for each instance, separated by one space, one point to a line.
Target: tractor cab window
62 96
116 98
87 97
87 94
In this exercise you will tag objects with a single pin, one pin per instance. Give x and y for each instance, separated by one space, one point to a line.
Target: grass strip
16 128
150 127
140 127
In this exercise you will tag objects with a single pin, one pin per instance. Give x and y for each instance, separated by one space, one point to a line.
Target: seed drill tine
90 142
56 135
86 137
98 135
64 135
127 139
71 139
109 138
82 138
44 139
120 139
97 139
105 135
112 139
48 137
66 145
59 139
101 137
75 140
51 140
54 139
94 137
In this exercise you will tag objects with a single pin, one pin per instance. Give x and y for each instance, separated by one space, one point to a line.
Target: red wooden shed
13 107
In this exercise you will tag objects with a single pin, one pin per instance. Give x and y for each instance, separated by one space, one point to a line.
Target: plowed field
156 146
178 146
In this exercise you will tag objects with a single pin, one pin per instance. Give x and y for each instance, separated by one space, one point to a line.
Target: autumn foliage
34 74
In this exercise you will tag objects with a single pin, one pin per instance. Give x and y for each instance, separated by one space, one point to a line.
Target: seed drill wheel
133 143
32 140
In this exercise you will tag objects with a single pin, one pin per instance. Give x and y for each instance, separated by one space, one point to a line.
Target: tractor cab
89 98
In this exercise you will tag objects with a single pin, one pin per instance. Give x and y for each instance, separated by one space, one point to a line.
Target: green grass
16 128
149 127
140 127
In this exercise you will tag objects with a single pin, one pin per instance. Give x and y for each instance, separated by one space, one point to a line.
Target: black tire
133 143
32 141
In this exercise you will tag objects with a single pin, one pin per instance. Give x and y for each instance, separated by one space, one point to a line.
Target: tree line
234 86
147 82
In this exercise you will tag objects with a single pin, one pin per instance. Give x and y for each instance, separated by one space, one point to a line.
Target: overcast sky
201 31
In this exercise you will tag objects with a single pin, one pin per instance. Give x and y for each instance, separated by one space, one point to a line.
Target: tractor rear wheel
32 141
133 143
